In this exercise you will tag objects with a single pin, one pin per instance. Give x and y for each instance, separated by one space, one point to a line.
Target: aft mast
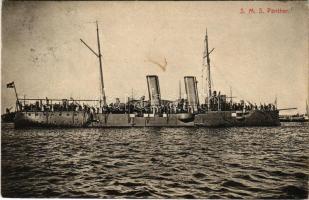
179 90
206 63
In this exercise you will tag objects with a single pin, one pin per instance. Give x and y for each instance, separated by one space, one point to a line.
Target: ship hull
51 119
107 120
127 120
8 117
294 120
229 118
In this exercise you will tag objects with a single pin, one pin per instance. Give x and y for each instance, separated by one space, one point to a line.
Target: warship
216 110
296 117
293 118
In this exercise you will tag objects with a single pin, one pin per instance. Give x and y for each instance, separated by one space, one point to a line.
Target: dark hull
8 117
126 120
83 119
51 119
227 119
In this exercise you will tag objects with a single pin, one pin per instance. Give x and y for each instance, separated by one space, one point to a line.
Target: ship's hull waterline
51 119
105 120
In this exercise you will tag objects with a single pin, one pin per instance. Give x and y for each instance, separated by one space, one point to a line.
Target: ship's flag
10 85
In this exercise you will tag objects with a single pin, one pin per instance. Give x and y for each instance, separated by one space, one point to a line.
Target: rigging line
227 82
145 91
212 82
203 88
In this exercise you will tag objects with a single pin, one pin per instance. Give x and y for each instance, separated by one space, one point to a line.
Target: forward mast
99 56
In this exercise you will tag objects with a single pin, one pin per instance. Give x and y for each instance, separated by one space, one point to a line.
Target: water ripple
249 162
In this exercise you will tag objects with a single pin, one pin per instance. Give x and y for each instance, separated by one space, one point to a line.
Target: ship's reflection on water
264 162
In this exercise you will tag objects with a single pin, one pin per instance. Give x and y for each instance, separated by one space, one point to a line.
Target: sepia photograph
155 99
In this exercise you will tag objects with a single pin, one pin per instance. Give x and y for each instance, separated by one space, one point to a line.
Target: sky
260 56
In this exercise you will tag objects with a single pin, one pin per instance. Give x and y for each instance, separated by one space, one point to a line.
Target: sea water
247 162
